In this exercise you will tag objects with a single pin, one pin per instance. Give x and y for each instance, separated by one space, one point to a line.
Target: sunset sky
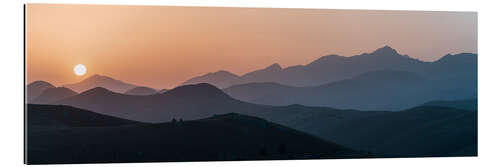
161 46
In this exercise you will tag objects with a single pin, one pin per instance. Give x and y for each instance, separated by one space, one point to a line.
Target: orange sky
161 46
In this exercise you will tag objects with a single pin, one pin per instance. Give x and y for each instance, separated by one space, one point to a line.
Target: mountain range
333 68
382 102
188 102
381 80
373 90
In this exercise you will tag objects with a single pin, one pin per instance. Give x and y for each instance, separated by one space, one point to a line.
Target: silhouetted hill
374 90
57 116
188 102
198 91
267 74
220 79
162 91
468 104
141 90
53 94
220 137
100 81
421 131
34 89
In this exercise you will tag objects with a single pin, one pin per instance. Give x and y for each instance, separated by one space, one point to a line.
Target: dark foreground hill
59 116
467 104
425 131
61 134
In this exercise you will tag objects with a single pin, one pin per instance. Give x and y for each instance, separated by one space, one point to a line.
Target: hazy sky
161 46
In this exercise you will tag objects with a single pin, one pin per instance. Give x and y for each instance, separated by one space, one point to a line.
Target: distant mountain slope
374 90
141 90
100 81
253 92
468 104
34 89
52 95
162 91
222 137
264 75
331 68
220 79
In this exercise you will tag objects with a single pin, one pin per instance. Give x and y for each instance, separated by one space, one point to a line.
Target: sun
80 69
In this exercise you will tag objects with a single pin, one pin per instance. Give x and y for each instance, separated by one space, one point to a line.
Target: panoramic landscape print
116 84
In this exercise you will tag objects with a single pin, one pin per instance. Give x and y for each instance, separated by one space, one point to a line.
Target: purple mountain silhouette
53 94
141 90
100 81
34 89
321 71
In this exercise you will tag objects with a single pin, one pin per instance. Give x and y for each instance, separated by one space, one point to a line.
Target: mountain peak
449 56
53 94
97 80
96 90
97 77
385 51
327 59
41 83
223 72
197 90
141 90
274 66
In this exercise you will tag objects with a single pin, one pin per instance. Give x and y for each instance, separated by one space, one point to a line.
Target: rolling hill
94 138
141 91
34 89
52 95
421 131
467 104
220 79
187 102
